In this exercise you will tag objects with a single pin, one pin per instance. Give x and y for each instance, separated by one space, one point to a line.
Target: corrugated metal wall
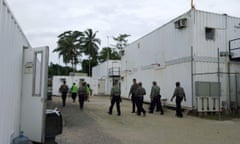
205 51
171 48
203 47
166 46
12 41
102 72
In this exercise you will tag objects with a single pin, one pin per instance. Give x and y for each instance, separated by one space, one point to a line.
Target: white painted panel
208 48
12 41
101 86
34 92
69 81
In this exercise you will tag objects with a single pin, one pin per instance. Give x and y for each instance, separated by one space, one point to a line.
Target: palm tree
69 45
107 53
121 41
90 46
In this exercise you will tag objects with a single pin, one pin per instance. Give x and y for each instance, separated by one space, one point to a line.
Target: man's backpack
64 89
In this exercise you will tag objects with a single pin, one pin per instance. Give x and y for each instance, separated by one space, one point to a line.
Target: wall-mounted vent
181 23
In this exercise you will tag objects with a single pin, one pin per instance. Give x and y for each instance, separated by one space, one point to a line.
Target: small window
210 33
38 63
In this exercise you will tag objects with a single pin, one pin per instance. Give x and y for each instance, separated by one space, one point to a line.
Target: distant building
57 81
104 74
186 50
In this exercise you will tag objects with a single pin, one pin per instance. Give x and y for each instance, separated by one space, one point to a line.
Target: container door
34 93
101 86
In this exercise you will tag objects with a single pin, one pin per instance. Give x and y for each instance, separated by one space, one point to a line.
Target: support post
219 86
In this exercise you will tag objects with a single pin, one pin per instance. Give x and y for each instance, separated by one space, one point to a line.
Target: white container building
104 74
23 77
57 81
186 50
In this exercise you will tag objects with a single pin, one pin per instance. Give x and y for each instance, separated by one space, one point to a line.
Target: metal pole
89 66
219 87
108 51
192 75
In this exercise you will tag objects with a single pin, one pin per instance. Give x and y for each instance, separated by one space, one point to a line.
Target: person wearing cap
140 92
132 93
179 94
82 92
115 97
64 90
155 98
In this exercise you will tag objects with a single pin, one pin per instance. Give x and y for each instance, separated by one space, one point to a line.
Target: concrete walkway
94 126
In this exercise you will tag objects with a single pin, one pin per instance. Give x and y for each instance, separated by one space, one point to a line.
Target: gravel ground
93 125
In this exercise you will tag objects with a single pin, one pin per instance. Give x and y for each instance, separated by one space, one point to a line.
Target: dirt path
94 126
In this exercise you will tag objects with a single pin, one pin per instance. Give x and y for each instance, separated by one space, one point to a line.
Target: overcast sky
43 20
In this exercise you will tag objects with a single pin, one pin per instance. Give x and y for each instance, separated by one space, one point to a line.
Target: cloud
43 20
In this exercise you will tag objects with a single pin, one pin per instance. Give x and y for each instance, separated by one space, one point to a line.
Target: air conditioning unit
181 23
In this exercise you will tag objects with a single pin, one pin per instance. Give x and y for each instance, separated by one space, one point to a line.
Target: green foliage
55 69
121 41
69 47
85 66
90 44
74 46
108 53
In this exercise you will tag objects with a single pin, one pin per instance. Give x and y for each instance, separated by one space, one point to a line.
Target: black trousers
115 99
139 102
64 97
81 100
134 102
178 106
74 95
156 101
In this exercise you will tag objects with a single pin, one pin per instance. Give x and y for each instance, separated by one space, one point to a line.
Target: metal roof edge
16 22
174 19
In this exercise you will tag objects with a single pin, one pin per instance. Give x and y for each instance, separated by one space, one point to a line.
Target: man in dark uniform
115 98
82 92
132 92
155 98
180 95
140 92
64 90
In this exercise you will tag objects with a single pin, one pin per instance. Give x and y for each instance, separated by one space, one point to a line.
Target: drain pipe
219 86
192 76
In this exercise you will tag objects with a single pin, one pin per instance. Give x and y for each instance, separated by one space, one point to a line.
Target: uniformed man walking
180 95
155 98
115 97
82 92
140 92
132 92
64 90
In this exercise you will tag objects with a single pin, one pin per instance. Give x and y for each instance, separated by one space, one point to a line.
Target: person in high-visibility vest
74 91
88 92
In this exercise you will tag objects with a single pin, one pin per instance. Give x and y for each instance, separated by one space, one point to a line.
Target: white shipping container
23 75
12 42
58 81
185 50
103 75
